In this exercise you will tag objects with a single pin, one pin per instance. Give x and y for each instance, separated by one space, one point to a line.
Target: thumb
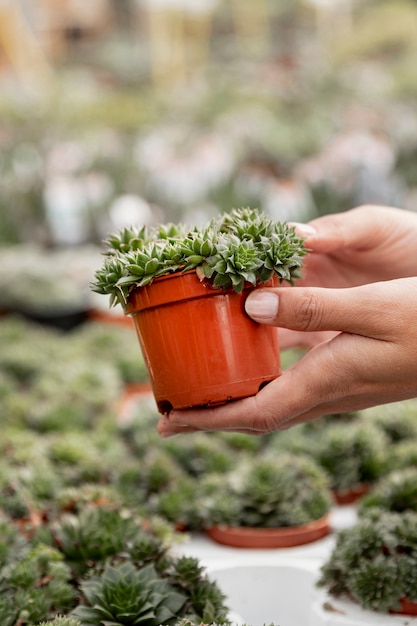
355 310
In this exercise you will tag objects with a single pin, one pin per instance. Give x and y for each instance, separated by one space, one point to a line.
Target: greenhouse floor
278 586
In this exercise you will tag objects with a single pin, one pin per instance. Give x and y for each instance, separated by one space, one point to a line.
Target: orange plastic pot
260 538
350 496
408 607
199 346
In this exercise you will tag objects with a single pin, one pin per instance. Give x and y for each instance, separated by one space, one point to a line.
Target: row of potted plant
102 565
54 478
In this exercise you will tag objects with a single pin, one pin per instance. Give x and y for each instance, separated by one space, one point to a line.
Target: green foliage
201 453
205 600
398 420
124 594
154 593
243 246
112 343
35 587
179 503
397 491
375 562
94 535
268 491
351 453
62 620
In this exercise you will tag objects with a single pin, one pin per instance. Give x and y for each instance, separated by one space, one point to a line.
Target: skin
355 308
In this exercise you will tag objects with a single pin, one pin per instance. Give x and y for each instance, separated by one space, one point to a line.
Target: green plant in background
180 503
266 491
238 247
201 453
153 594
35 587
124 594
403 454
352 454
93 535
140 480
396 491
114 345
397 420
12 543
375 562
62 620
76 499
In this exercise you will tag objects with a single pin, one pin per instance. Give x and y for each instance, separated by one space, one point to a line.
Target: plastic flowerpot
352 495
259 538
199 346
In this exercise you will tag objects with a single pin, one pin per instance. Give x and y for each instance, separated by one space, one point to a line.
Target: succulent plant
154 593
112 343
201 453
179 503
396 491
374 562
61 620
352 453
398 420
266 491
35 587
96 533
243 246
125 594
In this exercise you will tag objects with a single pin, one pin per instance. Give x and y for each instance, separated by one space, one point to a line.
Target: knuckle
309 312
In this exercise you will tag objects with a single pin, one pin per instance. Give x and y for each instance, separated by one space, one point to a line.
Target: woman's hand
363 245
356 304
372 360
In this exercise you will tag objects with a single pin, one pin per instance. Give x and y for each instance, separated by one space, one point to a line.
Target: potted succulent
397 491
352 451
186 290
397 420
373 565
267 502
354 455
34 586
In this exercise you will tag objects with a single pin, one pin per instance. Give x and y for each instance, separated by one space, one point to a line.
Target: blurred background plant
134 111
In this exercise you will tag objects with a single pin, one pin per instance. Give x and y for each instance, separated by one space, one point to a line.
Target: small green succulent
35 587
153 594
266 492
243 246
62 620
374 562
125 594
397 491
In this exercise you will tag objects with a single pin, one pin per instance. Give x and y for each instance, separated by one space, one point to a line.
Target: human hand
370 361
363 245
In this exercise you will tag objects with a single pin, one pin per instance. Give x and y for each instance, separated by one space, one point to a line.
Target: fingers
364 310
299 339
334 377
361 228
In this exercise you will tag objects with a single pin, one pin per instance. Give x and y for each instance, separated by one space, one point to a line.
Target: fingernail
304 230
262 305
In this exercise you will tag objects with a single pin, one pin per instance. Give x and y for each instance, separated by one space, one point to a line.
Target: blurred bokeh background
117 112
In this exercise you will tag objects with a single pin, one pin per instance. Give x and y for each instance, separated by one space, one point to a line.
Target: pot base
258 538
211 396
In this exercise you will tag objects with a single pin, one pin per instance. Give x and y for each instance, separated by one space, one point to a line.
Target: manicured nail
262 305
304 230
